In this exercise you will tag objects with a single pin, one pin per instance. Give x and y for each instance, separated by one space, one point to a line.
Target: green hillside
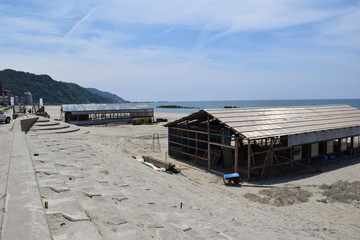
53 92
114 98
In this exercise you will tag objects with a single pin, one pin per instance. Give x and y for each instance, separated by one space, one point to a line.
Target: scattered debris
102 181
224 235
105 172
161 120
155 226
140 121
233 178
39 111
158 165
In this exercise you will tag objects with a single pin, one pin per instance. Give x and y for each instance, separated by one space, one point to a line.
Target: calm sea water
250 103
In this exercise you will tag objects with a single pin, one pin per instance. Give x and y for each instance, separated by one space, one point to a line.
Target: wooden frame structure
260 142
92 114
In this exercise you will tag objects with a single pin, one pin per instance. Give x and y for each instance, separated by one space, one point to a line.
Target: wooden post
249 162
169 131
182 142
309 153
209 147
272 155
236 154
196 147
292 159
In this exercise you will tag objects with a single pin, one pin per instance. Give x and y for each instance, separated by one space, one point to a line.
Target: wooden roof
256 123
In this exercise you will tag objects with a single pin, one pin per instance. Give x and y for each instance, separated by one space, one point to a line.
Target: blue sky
189 50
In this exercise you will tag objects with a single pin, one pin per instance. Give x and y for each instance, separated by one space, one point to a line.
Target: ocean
198 105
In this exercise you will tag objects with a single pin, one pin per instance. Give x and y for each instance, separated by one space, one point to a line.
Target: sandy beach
291 207
124 199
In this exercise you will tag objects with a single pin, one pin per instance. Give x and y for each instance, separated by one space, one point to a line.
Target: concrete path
6 139
24 216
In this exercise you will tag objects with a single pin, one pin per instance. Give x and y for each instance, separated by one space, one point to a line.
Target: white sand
150 201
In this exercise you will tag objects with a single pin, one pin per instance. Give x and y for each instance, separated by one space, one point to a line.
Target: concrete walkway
6 139
24 216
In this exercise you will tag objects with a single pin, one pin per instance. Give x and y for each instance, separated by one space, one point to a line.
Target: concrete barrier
27 123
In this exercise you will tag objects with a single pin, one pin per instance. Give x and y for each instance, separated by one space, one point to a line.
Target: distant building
2 100
21 99
28 100
6 97
92 114
16 100
2 97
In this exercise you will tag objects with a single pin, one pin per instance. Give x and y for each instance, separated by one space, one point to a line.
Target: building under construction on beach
259 142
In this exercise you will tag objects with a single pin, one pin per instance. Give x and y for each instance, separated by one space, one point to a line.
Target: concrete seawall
24 215
27 123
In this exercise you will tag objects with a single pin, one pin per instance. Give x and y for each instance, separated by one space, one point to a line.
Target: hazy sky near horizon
189 50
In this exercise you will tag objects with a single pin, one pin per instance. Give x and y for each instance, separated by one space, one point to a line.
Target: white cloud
342 31
246 15
302 75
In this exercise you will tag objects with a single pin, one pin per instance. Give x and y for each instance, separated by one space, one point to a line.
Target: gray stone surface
5 153
67 217
24 216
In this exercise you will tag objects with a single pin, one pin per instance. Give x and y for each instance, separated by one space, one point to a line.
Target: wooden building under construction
259 142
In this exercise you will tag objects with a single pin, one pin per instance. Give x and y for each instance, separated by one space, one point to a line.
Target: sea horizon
194 106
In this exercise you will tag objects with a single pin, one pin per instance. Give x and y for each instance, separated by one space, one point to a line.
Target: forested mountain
43 86
114 98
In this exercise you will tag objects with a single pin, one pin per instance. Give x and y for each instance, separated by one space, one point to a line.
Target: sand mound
280 197
342 191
